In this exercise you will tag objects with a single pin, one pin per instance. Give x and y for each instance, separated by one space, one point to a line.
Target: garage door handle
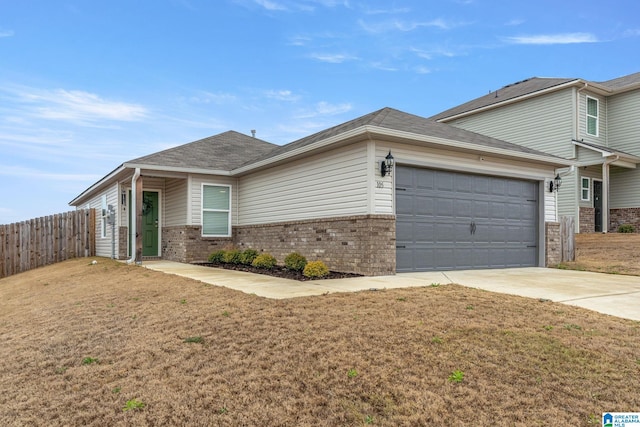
400 247
472 228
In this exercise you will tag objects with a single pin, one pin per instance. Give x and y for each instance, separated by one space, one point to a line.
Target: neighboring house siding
625 188
195 194
586 156
543 123
591 172
601 139
568 197
624 122
330 184
176 200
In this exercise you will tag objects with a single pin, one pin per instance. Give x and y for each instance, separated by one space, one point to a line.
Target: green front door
150 224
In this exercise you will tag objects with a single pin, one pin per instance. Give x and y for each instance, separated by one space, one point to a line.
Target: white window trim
587 116
588 188
202 209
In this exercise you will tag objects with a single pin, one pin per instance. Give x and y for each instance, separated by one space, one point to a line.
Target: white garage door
452 221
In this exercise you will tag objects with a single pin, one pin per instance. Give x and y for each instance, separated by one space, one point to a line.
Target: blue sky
87 85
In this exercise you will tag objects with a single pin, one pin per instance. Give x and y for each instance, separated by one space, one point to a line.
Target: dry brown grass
614 253
287 362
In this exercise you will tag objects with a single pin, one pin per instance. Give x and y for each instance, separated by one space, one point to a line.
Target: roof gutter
176 169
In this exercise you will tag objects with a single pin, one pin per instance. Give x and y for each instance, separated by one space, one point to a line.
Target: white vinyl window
216 210
103 219
592 116
585 189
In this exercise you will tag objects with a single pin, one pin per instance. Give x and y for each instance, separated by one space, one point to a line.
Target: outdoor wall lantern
386 166
555 184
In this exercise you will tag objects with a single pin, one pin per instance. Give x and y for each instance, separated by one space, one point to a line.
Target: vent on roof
253 133
517 83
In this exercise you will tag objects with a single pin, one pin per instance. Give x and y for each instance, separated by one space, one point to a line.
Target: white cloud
204 97
407 26
282 95
270 5
6 33
22 172
333 58
75 105
324 109
548 39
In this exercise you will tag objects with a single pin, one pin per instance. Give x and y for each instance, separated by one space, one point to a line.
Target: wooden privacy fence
46 240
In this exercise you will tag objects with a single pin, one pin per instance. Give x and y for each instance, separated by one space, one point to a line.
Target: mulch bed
278 271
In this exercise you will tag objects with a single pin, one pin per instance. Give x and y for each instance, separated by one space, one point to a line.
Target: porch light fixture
555 184
386 166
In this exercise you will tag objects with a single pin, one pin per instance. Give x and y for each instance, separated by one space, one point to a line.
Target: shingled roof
395 120
225 151
530 87
512 91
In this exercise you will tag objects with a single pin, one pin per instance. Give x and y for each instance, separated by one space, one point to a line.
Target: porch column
605 197
138 219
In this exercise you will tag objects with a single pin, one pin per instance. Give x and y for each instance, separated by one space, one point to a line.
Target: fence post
567 238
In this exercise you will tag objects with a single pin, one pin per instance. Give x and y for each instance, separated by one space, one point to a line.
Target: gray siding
624 188
544 123
592 172
103 244
330 184
624 122
176 202
601 139
568 197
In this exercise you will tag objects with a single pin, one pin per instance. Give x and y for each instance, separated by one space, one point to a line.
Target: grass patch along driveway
112 344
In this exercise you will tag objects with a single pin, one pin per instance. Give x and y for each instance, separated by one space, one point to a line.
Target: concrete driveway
616 295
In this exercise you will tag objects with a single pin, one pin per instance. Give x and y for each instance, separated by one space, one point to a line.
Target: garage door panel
449 220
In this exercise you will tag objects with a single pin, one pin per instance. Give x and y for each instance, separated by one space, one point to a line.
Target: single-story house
384 193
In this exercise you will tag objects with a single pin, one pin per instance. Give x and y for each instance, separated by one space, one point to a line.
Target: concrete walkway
616 295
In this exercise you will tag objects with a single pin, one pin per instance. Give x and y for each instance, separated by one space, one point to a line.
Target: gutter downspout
605 193
133 207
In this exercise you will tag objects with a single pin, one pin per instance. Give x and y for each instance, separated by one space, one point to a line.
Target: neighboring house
596 124
453 200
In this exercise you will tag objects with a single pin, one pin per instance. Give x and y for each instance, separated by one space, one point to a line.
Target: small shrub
626 228
265 260
352 373
233 256
248 255
294 261
217 256
315 269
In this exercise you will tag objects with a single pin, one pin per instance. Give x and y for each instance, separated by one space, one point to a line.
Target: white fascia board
97 185
556 161
176 169
512 100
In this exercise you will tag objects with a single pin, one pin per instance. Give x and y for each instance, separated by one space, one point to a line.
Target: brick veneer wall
123 241
618 217
364 244
553 243
186 244
587 220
